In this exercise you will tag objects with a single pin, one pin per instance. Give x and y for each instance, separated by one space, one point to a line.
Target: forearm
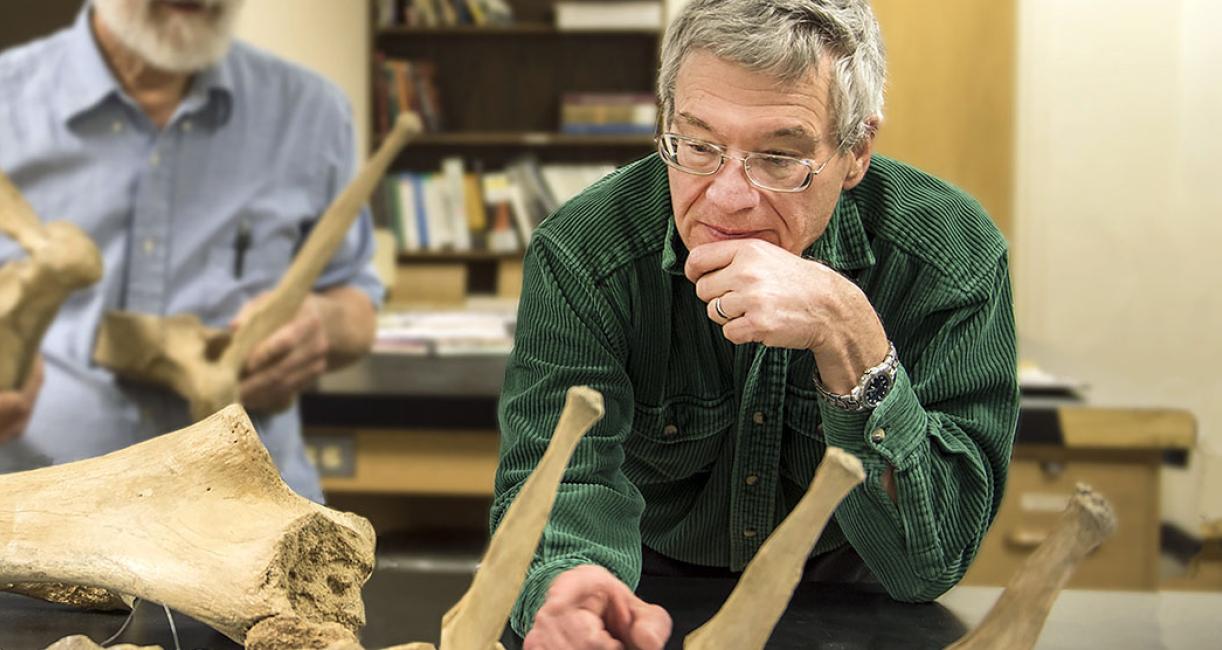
947 484
350 324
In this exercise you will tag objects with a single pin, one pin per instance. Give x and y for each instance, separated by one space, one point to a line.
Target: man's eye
699 148
778 162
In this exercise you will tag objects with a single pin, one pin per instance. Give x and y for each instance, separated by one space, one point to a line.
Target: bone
81 642
746 619
202 364
61 259
476 621
198 520
1016 619
478 618
90 598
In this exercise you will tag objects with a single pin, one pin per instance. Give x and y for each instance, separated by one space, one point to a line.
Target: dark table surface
406 605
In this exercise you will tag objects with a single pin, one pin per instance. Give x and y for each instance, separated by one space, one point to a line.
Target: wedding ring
717 308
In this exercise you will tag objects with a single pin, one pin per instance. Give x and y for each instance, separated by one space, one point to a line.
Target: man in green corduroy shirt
761 288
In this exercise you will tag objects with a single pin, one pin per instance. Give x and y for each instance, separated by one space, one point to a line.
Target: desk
405 605
409 425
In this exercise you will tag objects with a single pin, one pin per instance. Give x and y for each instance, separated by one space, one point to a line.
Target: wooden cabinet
1119 453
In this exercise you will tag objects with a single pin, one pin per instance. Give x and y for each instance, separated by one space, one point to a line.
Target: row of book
406 85
442 13
459 209
608 113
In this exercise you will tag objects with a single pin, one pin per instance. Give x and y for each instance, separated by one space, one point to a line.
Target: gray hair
785 39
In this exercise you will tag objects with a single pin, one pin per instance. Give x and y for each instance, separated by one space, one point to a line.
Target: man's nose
729 188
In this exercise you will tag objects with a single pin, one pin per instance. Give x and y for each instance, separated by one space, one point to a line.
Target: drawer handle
1026 538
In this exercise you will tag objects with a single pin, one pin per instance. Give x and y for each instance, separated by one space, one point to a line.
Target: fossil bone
203 364
198 520
61 259
477 620
746 619
81 642
1016 619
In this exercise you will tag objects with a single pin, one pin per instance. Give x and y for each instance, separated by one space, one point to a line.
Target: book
617 14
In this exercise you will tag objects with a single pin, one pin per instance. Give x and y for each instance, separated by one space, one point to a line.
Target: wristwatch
870 391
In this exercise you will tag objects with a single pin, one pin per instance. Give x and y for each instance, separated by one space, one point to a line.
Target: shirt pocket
804 444
242 266
682 438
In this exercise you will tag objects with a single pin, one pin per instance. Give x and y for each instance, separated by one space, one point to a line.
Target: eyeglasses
771 172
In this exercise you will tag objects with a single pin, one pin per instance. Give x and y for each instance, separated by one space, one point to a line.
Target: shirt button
749 533
878 436
155 159
752 479
669 431
150 245
116 127
186 126
758 417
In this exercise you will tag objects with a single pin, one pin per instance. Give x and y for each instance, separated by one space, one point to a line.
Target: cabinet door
950 94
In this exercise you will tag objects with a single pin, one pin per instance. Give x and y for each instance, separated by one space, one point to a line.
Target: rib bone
203 364
1016 619
746 619
61 260
198 520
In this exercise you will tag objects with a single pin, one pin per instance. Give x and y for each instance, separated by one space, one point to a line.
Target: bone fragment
202 364
477 620
1016 619
82 642
198 520
746 619
75 595
61 259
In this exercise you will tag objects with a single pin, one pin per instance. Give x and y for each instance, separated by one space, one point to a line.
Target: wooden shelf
428 257
529 139
516 29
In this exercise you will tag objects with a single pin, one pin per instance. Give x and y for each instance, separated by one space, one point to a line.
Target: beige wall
328 36
1118 212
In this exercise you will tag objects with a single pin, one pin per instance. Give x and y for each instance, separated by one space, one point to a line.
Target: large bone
1016 619
203 364
746 619
61 259
198 520
477 620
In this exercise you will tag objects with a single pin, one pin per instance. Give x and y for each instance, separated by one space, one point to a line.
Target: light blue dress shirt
257 145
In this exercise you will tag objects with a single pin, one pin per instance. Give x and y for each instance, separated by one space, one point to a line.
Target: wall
330 37
1118 212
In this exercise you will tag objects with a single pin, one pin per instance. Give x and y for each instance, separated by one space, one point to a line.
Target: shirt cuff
892 431
534 592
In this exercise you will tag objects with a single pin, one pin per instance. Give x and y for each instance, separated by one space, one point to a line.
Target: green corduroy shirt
707 445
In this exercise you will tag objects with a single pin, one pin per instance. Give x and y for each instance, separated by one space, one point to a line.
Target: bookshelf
499 90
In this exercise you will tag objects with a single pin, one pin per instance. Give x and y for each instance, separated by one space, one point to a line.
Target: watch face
876 390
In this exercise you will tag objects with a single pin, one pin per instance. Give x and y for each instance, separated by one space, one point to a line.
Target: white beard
168 40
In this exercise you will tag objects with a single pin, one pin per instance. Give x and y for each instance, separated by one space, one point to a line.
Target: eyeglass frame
724 152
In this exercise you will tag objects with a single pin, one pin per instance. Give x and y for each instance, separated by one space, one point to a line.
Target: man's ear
860 162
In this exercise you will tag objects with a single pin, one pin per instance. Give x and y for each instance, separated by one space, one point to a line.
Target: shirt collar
90 81
843 246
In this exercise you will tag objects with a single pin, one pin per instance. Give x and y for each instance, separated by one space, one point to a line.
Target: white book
436 214
455 195
623 14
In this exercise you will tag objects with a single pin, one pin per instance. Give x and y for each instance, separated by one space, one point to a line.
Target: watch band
871 389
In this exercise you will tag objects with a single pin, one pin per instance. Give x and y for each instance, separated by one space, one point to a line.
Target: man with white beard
198 166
